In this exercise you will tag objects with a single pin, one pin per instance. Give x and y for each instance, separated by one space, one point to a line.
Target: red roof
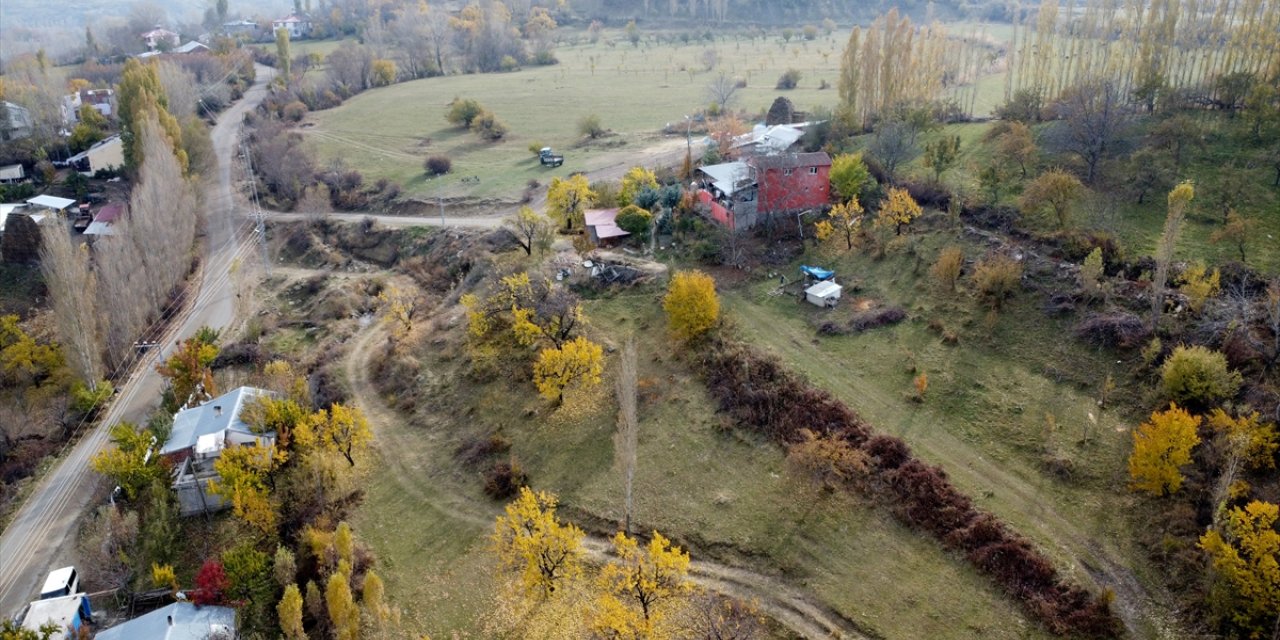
604 220
110 213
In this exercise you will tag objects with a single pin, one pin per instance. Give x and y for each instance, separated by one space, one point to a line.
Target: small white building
159 38
824 294
105 155
12 173
298 26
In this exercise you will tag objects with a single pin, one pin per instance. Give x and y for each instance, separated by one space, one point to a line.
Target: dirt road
42 532
789 606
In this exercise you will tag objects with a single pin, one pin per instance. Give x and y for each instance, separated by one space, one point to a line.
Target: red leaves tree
211 584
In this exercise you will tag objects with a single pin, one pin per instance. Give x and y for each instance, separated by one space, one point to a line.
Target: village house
198 438
767 140
742 193
103 100
246 28
15 122
602 225
161 38
106 155
104 221
298 25
178 621
12 173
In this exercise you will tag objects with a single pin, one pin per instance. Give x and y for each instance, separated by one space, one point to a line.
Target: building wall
800 190
108 156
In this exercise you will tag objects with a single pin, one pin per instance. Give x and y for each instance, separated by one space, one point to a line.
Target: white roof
58 578
824 289
11 172
189 47
776 138
726 176
96 228
51 202
60 611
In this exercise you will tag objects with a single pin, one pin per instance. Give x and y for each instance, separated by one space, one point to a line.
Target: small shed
824 294
12 173
602 225
50 202
68 613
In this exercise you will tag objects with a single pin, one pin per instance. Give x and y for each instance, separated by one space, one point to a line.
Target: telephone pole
259 219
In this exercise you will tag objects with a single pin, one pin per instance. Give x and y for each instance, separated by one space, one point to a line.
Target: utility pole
260 222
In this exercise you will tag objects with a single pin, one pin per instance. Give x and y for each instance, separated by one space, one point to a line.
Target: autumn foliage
691 304
1161 446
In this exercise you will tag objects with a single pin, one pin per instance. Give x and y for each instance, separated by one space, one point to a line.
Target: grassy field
636 92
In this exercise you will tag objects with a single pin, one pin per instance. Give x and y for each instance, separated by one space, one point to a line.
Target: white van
61 582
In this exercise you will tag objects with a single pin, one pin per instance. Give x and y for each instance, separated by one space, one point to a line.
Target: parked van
61 582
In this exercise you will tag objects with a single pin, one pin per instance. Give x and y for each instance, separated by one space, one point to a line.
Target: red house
792 181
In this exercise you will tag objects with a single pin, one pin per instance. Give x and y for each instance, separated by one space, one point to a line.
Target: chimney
217 410
170 618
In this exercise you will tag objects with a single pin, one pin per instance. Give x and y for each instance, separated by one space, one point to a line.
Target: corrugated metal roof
217 415
178 621
793 160
51 202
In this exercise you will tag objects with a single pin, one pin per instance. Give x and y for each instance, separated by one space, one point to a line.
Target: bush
1198 377
1114 330
294 111
789 79
488 126
946 270
590 126
504 480
475 450
463 112
635 220
438 165
509 63
997 278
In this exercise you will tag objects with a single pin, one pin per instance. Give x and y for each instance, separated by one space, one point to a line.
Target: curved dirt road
41 534
787 605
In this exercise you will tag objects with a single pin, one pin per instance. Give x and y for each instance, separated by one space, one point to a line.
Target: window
787 172
813 171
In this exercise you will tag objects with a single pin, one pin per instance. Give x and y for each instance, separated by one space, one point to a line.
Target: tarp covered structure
817 273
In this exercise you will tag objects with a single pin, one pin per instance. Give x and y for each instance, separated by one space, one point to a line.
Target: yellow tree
341 429
1198 284
127 463
1161 446
529 227
636 583
1055 189
1237 232
846 218
373 600
634 181
344 615
289 610
567 198
189 373
691 304
528 538
849 176
1246 565
400 305
1017 144
244 479
1255 440
898 210
578 363
1179 200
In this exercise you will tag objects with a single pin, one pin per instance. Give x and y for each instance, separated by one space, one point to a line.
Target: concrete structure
68 613
178 621
298 26
12 173
602 225
823 294
15 122
198 438
105 155
160 38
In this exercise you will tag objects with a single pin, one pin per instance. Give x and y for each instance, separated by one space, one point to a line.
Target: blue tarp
817 273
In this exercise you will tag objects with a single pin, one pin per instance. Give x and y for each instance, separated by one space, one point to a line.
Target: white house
160 37
178 621
298 26
105 155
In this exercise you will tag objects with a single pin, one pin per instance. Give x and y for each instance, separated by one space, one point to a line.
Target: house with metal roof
602 225
67 613
178 621
198 438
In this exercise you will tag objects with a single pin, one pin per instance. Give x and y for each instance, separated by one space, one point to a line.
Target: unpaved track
42 532
789 606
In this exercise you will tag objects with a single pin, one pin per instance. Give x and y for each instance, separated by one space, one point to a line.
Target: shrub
294 111
463 112
946 270
692 305
589 126
488 126
438 165
504 480
789 79
535 148
477 449
997 278
508 63
635 220
882 317
1114 330
1198 377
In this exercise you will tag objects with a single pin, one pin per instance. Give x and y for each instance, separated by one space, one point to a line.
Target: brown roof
792 160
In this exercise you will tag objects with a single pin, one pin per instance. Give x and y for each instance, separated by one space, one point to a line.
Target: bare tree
528 226
1093 114
180 87
722 90
625 442
351 66
73 292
